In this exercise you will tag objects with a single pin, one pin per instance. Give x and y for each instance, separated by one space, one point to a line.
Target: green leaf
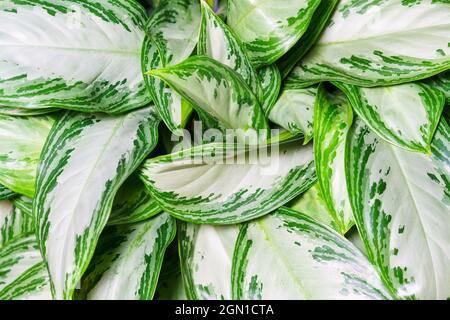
228 184
87 157
269 28
379 43
401 204
270 79
333 118
294 111
13 223
319 21
128 260
22 272
174 29
204 248
405 115
5 193
218 42
216 90
133 203
72 54
287 255
21 143
313 205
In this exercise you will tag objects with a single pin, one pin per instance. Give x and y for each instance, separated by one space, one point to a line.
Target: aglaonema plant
192 149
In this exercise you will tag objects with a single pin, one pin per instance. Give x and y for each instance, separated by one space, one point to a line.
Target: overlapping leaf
204 248
270 79
72 54
133 203
21 143
85 160
288 255
13 222
218 42
269 28
319 21
332 119
22 271
294 111
401 203
376 43
405 115
128 260
225 184
215 91
172 34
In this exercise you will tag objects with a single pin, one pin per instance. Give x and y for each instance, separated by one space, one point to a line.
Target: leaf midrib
410 191
284 259
379 36
61 48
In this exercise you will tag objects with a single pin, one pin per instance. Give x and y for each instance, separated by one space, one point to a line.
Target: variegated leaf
174 110
270 79
24 204
441 82
21 142
72 54
133 203
228 184
401 203
215 89
87 157
313 205
5 193
378 43
333 118
288 255
127 263
294 111
405 115
33 284
17 256
174 29
218 42
319 21
172 34
13 222
269 28
204 248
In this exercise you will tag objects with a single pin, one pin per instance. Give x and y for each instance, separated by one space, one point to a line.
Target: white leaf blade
188 184
129 268
287 255
76 184
204 248
86 56
380 177
269 28
405 115
333 118
379 43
